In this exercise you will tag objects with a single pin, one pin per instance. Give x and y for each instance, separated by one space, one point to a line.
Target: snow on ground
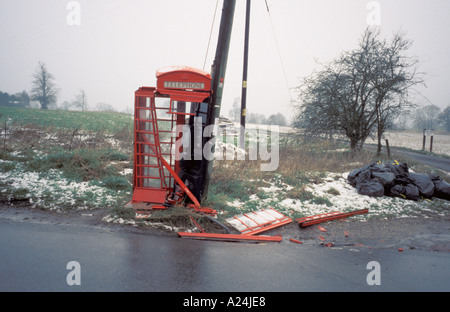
50 190
340 196
117 220
346 198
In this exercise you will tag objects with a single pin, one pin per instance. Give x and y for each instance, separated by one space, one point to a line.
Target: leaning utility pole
244 79
218 78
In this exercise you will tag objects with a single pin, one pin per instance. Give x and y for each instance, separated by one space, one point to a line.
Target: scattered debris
231 237
321 229
248 224
295 241
196 224
258 221
308 221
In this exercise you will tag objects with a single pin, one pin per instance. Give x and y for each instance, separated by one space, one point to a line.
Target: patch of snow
126 171
50 190
114 219
344 198
236 203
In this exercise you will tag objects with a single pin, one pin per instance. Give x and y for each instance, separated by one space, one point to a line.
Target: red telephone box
182 93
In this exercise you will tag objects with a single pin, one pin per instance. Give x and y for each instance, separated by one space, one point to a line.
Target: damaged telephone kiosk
160 176
183 96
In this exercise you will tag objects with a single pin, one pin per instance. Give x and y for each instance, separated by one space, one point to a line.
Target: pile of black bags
394 179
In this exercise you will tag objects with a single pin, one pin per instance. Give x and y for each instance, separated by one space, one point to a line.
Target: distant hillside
91 121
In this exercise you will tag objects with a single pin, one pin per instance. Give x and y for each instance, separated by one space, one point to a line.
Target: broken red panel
144 210
307 221
230 237
256 222
159 207
204 210
248 224
196 224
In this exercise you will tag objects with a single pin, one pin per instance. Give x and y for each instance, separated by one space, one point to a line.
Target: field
61 160
409 139
414 140
61 119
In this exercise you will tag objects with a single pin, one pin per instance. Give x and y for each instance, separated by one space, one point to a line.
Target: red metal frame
308 221
156 166
259 223
248 234
231 237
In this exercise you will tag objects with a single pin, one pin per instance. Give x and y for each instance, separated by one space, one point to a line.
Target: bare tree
256 118
81 100
277 119
235 112
444 119
427 117
395 75
104 107
320 101
359 91
66 105
44 90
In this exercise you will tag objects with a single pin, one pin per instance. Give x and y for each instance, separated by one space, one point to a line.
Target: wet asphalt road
430 160
433 161
34 257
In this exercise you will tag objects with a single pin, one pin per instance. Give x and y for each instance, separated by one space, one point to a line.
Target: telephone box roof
173 69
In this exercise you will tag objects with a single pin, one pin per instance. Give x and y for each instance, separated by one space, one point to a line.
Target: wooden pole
388 149
217 81
424 139
431 144
244 78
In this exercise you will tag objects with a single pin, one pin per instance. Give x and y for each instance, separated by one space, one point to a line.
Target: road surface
440 163
35 257
432 161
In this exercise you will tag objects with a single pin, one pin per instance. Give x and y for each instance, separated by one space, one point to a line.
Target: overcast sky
119 44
